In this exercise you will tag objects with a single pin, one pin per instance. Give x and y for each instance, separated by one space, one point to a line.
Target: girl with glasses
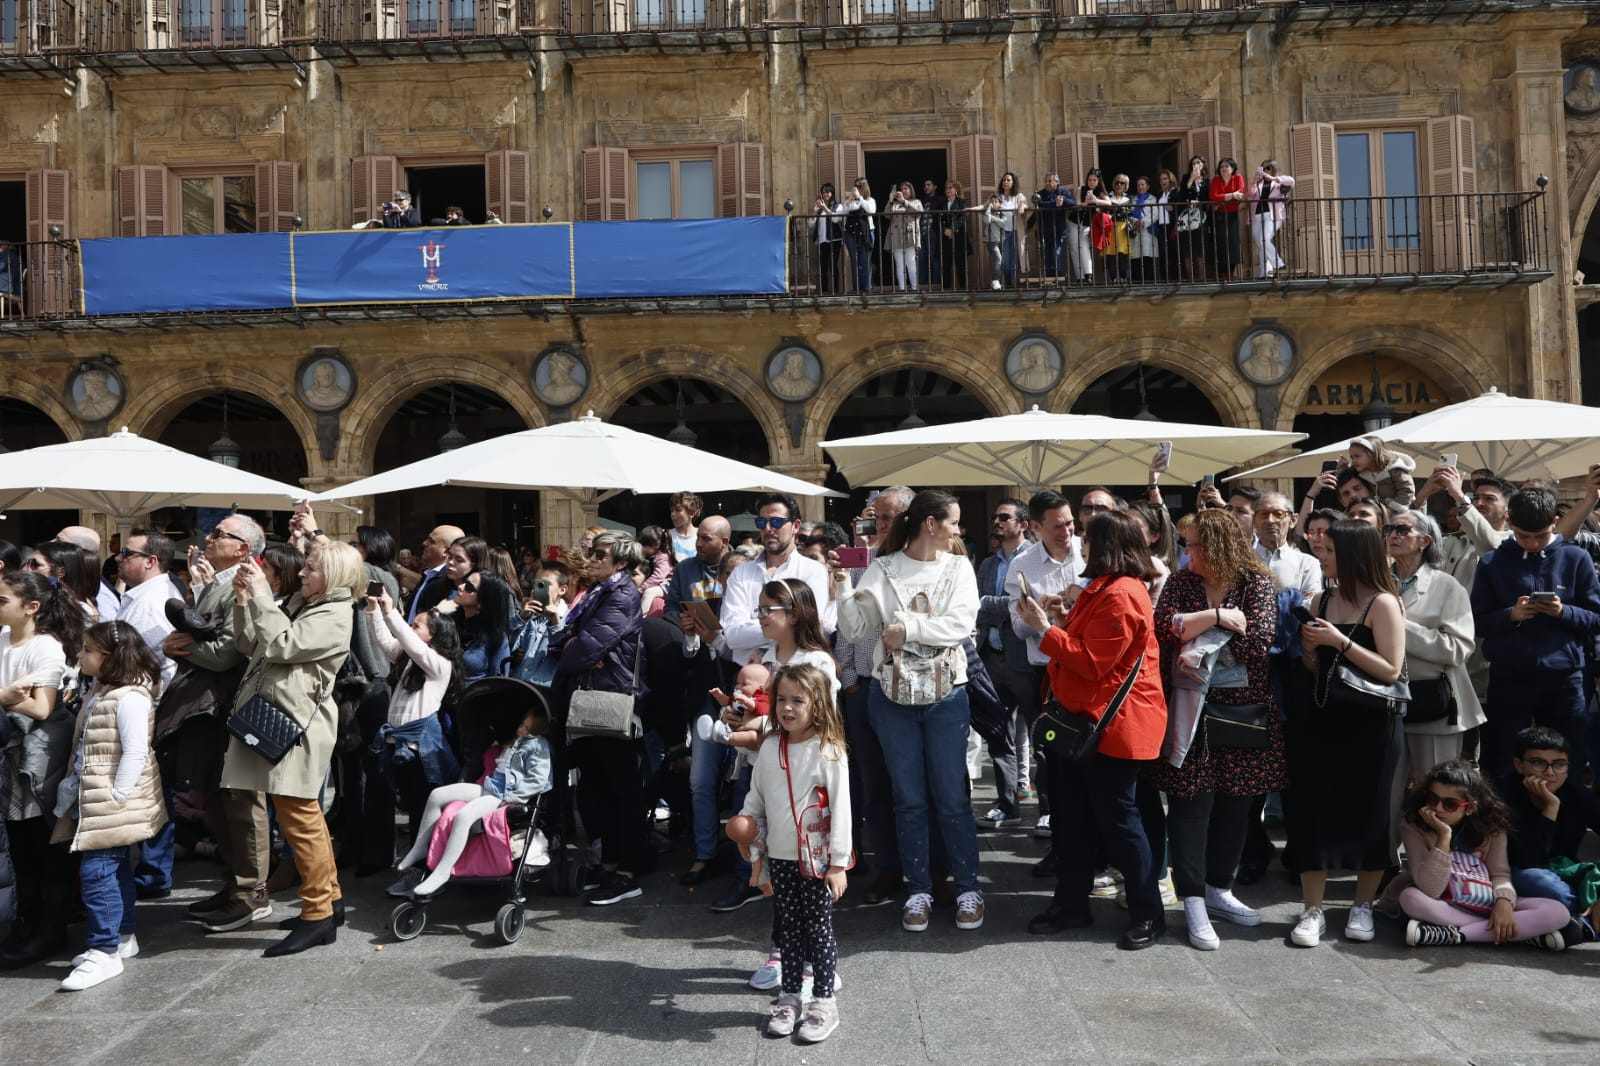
1456 887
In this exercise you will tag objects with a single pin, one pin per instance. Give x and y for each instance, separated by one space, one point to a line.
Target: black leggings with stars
804 907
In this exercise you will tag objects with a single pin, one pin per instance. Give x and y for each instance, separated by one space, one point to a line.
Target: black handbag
1236 725
266 729
1064 734
1352 687
1432 700
991 718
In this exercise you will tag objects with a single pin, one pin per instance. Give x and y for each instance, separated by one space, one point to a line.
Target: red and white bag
813 823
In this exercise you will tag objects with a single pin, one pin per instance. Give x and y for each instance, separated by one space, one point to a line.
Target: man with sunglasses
1536 602
1551 815
777 524
142 564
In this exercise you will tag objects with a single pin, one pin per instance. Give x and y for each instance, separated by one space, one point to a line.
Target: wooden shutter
1453 177
839 162
976 165
268 28
142 202
277 195
605 184
49 284
740 183
1311 247
506 185
1072 156
1212 143
373 179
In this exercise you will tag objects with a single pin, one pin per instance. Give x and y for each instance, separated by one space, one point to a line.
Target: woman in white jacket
926 599
1439 632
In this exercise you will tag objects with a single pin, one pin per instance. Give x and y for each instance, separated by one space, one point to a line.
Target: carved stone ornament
325 382
1034 363
1582 88
1266 356
559 376
94 393
793 373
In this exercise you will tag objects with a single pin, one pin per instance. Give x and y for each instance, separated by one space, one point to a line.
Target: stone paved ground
659 979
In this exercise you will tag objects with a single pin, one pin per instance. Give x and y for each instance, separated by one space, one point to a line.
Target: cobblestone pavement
661 979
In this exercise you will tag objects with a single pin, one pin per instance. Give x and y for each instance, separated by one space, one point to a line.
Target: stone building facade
170 121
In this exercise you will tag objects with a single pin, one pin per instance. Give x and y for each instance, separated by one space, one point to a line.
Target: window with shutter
1453 182
49 287
506 185
142 201
372 182
841 163
277 195
975 164
1073 155
1311 247
740 191
605 184
1214 143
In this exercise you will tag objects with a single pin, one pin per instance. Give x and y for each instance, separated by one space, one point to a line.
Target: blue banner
234 272
585 260
417 265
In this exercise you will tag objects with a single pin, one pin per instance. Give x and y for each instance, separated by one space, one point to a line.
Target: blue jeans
1050 253
925 749
1544 884
1008 258
154 873
707 763
108 896
860 261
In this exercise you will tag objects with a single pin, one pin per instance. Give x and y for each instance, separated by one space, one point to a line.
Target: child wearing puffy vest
111 796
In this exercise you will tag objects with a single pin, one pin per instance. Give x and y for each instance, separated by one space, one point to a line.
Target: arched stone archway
151 411
662 364
1462 370
1233 398
32 393
991 389
377 401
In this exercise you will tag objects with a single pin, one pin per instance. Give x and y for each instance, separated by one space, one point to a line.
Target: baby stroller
507 845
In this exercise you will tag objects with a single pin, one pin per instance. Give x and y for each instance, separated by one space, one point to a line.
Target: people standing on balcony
1192 221
927 253
1167 238
1146 227
1052 202
953 244
1227 193
1114 251
860 231
828 226
904 236
1080 224
1268 194
1014 206
400 213
994 239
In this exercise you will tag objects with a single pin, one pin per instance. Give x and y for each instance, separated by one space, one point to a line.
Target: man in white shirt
1291 568
142 564
777 522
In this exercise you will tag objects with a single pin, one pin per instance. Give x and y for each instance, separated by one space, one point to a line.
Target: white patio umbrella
1515 437
125 476
593 459
1038 449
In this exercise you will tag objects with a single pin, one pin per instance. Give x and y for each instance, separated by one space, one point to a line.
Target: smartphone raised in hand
854 558
1022 584
1303 613
374 590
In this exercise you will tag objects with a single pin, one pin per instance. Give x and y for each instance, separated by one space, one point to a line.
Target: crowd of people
1102 231
1399 672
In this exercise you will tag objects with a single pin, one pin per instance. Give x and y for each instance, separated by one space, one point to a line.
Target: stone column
816 473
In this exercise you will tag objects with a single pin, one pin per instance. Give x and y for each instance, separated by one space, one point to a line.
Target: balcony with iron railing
1478 241
357 28
147 34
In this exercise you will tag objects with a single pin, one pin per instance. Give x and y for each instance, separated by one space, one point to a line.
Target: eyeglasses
129 553
219 533
1398 530
1539 766
1447 804
772 523
766 609
1274 512
1085 509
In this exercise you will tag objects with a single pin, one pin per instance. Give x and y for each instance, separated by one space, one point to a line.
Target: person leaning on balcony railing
1193 221
1227 193
1052 202
1146 225
1080 227
954 245
1267 195
827 229
1115 250
1166 230
860 231
1014 205
903 234
400 213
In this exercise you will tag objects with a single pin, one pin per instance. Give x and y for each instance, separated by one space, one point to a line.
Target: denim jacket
422 740
524 775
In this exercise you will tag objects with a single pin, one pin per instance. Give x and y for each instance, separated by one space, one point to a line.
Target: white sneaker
998 819
1105 884
711 729
1201 935
994 284
1307 932
770 975
96 968
1223 904
127 948
1042 829
1359 925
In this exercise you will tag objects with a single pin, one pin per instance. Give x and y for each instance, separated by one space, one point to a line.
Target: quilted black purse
265 728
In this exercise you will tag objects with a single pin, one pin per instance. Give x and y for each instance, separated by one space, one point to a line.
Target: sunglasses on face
467 586
1447 804
219 533
599 553
1274 512
772 523
1003 517
129 553
37 564
1086 509
1398 530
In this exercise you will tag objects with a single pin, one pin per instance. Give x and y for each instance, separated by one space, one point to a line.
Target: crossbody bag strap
1120 696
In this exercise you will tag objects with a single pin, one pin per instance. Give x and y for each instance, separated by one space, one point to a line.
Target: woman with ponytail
44 633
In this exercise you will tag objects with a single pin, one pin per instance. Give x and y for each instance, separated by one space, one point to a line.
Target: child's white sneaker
711 729
822 1018
96 968
127 948
785 1014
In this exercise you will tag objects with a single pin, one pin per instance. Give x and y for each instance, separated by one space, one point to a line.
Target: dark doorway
888 168
13 211
435 188
1136 159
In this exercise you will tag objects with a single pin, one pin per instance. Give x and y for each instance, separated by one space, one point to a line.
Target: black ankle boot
338 916
304 935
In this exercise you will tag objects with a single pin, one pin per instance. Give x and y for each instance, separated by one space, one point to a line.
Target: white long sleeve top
810 765
396 637
875 603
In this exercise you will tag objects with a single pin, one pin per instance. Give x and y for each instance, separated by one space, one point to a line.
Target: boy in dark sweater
1550 815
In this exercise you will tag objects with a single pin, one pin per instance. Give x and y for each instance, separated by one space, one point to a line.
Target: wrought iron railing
48 28
352 21
39 280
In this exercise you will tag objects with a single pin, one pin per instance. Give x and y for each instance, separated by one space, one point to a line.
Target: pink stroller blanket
487 854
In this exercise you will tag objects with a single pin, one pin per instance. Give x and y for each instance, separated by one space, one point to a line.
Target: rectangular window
218 203
8 22
1379 182
675 188
897 10
668 14
214 22
432 17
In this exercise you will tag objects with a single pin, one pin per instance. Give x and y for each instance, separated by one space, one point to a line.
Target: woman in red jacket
1227 192
1092 648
